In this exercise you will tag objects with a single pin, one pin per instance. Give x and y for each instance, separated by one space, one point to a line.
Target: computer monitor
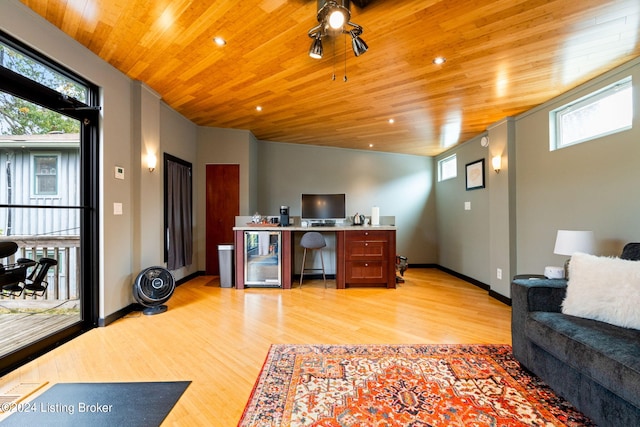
322 207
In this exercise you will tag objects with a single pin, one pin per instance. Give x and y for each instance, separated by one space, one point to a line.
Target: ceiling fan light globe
336 19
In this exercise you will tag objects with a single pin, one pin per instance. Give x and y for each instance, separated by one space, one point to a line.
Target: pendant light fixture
334 19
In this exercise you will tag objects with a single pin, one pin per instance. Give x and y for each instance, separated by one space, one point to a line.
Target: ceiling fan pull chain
345 58
333 77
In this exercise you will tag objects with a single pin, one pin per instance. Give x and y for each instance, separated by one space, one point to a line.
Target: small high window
447 168
45 168
601 113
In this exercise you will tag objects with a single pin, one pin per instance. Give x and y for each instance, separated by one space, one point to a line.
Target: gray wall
463 235
513 222
400 185
591 186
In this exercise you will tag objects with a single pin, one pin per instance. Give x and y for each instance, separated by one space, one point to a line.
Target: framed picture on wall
474 173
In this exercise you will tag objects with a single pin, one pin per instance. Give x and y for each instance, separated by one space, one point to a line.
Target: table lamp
568 242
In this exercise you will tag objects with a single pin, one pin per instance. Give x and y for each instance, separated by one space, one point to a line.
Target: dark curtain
179 213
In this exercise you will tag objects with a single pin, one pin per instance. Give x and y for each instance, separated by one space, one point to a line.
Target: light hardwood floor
219 338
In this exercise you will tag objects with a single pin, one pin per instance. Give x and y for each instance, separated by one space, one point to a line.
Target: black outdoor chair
13 276
14 279
35 284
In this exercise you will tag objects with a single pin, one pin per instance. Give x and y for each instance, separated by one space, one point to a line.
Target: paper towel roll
375 215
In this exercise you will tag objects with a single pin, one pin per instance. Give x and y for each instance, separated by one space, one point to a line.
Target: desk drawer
357 250
367 235
366 272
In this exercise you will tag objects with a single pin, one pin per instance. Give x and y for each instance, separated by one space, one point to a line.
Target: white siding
38 222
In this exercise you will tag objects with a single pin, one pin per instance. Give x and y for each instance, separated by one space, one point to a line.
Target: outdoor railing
62 278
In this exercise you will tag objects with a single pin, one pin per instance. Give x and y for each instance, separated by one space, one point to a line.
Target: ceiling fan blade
361 3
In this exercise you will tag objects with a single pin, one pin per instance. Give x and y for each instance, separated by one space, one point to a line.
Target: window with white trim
45 173
447 168
604 112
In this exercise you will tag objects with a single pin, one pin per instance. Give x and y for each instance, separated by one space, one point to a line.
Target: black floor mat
137 404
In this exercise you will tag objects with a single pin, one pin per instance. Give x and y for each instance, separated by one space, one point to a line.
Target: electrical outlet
499 273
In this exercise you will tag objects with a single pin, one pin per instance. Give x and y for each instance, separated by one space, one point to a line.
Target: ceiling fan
334 18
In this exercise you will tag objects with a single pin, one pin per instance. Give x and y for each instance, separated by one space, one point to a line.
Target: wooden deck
18 329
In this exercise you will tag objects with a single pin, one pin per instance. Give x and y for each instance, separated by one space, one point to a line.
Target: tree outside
20 117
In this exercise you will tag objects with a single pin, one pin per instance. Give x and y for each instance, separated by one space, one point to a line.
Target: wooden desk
365 256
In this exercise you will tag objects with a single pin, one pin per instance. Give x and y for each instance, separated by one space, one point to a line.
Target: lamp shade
496 162
358 45
151 161
316 48
569 242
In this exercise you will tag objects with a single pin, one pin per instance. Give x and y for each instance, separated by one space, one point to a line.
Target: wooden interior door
222 207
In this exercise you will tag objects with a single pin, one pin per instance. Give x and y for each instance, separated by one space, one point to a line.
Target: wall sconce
151 161
497 163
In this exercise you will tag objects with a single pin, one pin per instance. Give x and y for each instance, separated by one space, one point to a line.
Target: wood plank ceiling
503 57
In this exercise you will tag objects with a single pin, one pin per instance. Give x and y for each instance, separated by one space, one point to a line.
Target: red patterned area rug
401 385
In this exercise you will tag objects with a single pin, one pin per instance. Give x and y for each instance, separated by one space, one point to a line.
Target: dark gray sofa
592 364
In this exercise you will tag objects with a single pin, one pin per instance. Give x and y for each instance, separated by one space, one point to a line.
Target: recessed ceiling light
439 60
370 145
219 41
391 121
258 108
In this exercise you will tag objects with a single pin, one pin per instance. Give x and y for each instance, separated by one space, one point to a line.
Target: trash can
225 258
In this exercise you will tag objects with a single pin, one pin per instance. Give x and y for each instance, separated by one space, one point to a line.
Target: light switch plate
467 206
117 208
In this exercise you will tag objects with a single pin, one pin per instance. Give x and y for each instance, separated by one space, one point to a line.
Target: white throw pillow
605 289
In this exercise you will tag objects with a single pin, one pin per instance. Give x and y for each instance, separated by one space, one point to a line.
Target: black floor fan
152 288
